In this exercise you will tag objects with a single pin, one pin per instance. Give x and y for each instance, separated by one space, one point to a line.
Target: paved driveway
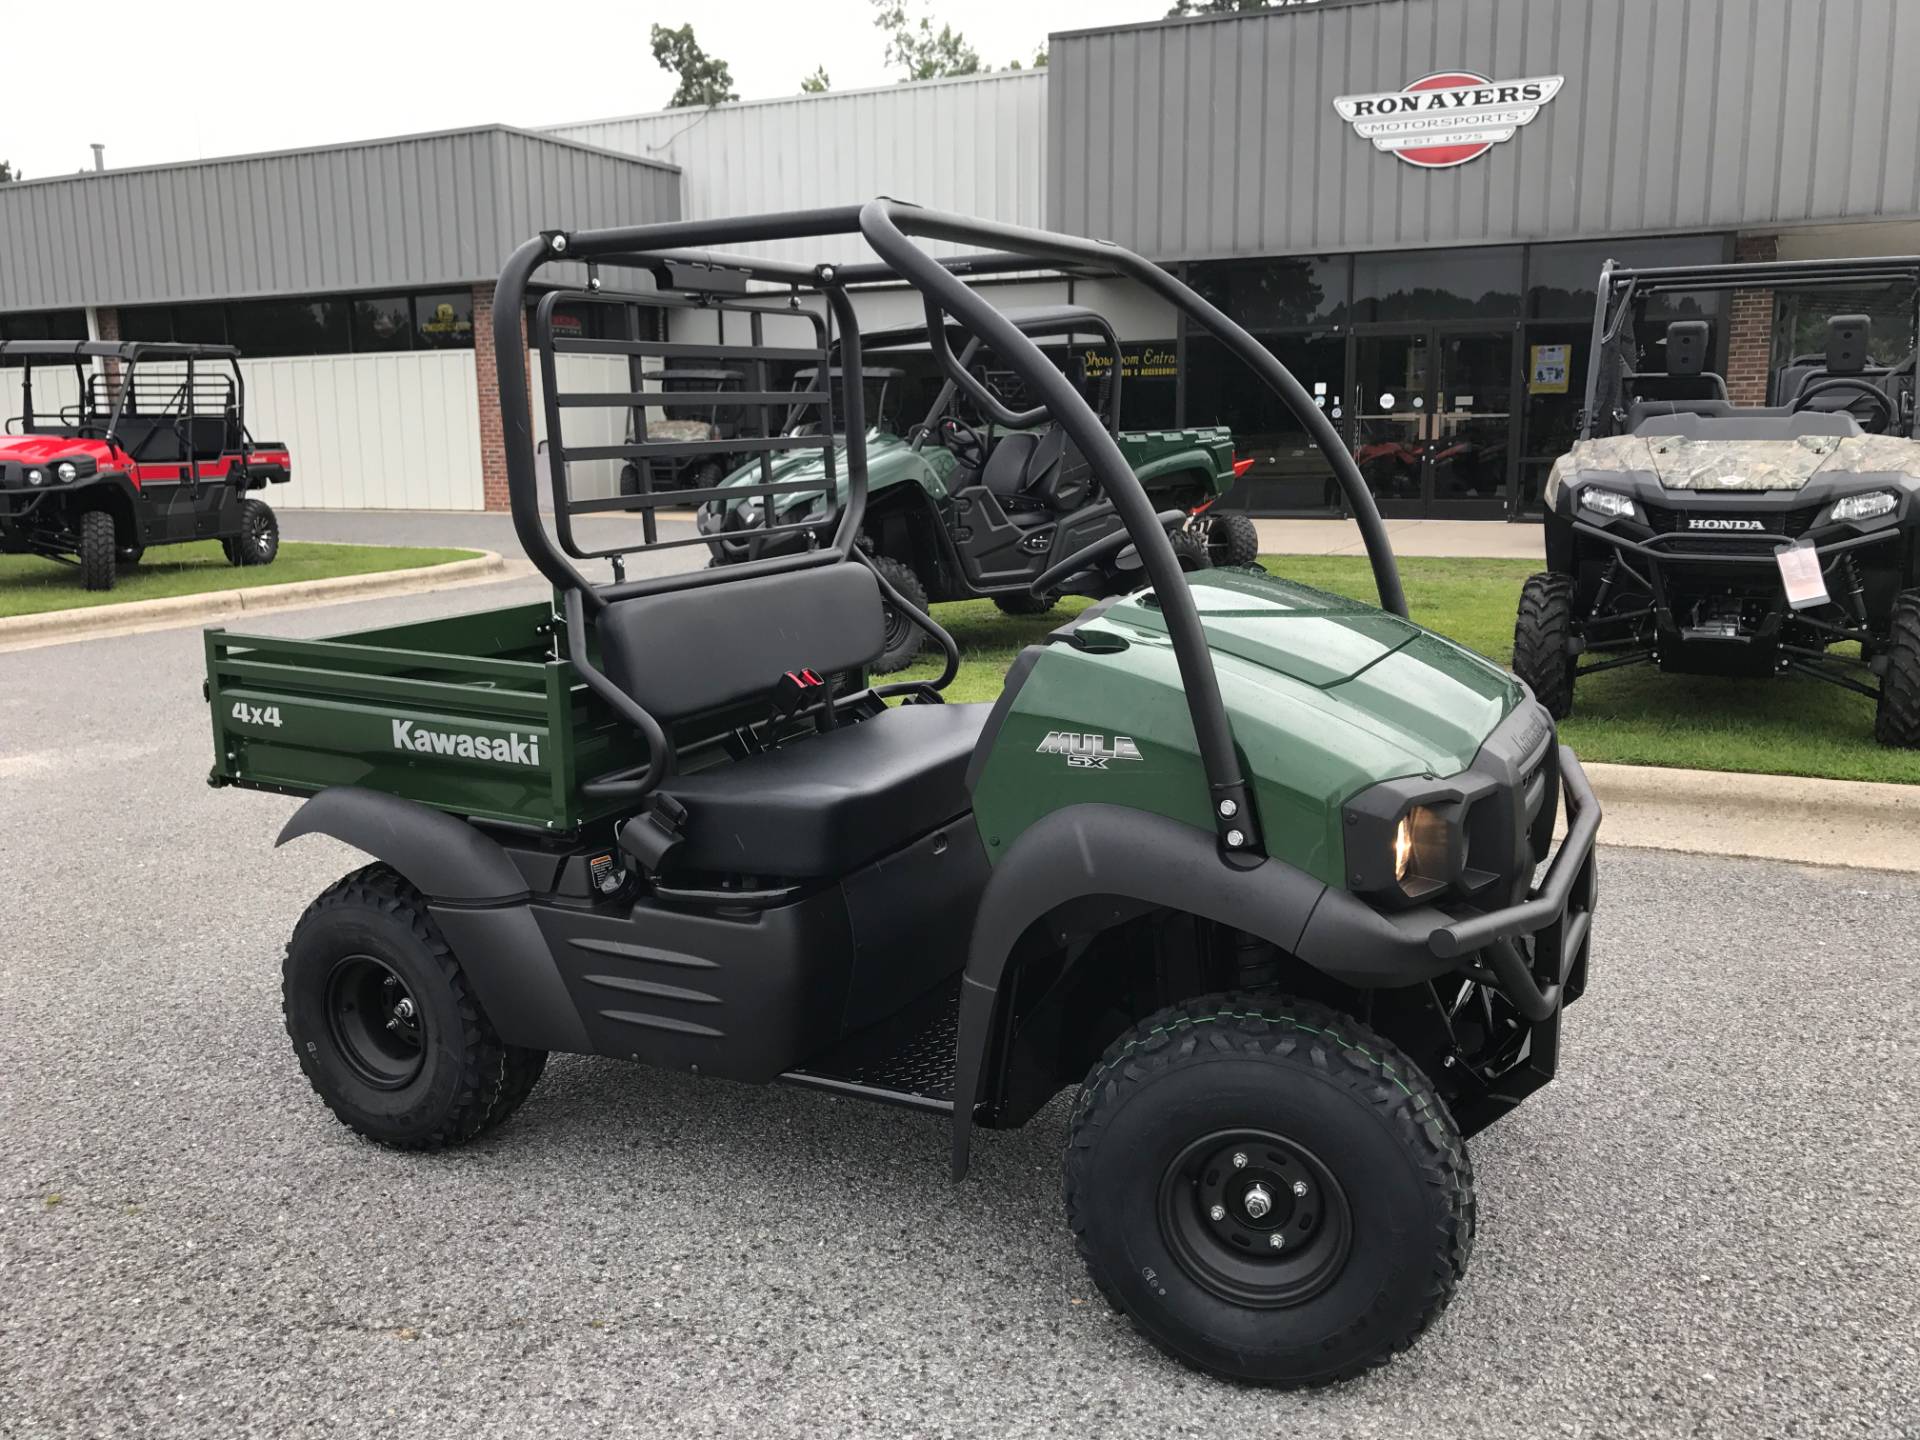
1707 1227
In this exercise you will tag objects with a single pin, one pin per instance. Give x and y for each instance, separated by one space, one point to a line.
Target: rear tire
904 638
1025 602
1542 634
259 538
99 551
1232 540
385 1025
1351 1159
1896 718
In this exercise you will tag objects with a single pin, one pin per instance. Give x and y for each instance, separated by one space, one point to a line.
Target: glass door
1392 403
1433 421
1470 436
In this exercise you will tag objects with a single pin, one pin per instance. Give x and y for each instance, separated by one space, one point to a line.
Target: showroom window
314 324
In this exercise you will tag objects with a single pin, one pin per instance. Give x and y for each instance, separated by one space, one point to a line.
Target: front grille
1788 524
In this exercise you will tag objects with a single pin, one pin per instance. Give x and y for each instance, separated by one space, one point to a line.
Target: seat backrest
686 651
1059 476
1847 344
1005 473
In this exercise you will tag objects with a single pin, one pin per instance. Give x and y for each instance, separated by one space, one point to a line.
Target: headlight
1606 502
36 476
67 472
1428 851
1869 506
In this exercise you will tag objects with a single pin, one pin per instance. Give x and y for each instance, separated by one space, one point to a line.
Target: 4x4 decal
1088 751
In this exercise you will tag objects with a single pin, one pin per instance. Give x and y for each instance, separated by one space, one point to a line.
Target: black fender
477 897
1092 850
442 856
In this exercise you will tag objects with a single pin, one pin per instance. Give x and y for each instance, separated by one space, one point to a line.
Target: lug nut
1239 1160
1276 1240
1218 1212
1299 1187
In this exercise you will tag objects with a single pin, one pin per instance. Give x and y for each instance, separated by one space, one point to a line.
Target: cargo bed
475 714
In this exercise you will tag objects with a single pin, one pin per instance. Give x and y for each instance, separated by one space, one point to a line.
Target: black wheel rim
1226 1197
375 1023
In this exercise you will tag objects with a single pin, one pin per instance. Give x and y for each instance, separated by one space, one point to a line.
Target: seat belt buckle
655 833
798 691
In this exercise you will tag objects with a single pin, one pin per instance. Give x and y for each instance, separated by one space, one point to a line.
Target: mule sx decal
1088 751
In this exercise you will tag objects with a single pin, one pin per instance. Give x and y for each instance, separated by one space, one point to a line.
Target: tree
704 78
1216 7
818 83
8 173
1039 60
914 45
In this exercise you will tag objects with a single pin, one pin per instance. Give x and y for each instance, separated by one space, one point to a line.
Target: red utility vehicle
118 447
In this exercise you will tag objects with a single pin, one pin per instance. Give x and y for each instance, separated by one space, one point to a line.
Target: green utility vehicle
1256 869
987 490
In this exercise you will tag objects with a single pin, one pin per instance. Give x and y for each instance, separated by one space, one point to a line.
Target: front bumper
1532 951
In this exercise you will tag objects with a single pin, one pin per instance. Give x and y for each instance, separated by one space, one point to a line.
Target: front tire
1191 551
1896 717
99 550
1216 1125
1542 641
259 539
904 638
385 1025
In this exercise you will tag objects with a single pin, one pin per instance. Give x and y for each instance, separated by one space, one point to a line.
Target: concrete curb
1860 824
60 626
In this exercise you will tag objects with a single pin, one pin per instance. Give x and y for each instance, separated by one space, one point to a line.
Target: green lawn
1635 716
29 585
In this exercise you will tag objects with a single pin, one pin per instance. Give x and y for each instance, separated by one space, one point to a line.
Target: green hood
1326 696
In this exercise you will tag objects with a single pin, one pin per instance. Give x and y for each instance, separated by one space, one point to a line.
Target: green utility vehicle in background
1251 867
987 491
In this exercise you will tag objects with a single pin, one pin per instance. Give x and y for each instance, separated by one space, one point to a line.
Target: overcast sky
228 79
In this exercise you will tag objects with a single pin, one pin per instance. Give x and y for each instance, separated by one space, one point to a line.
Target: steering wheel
1044 582
964 441
1879 424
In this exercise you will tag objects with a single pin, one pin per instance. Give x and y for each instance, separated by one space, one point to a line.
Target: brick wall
1750 327
107 320
493 449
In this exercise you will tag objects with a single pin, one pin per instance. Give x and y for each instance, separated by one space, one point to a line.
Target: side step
906 1059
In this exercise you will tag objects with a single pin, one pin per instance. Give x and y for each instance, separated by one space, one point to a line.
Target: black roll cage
891 228
130 354
1622 293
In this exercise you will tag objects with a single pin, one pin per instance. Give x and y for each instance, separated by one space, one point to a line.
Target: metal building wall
417 210
974 144
1218 137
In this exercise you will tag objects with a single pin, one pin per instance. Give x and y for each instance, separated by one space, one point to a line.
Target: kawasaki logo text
513 749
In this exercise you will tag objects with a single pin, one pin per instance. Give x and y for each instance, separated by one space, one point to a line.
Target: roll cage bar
129 353
1622 294
891 229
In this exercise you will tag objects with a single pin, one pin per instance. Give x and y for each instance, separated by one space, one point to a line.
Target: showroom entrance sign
1448 118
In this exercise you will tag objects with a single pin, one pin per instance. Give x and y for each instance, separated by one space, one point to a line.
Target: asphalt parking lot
1709 1226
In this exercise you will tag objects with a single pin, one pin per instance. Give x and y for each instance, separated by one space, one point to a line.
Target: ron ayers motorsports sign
1447 118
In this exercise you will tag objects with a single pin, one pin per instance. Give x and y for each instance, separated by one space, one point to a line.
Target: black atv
1709 538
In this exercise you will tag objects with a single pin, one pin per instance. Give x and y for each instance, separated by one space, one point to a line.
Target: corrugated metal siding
423 210
1219 137
371 432
974 144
